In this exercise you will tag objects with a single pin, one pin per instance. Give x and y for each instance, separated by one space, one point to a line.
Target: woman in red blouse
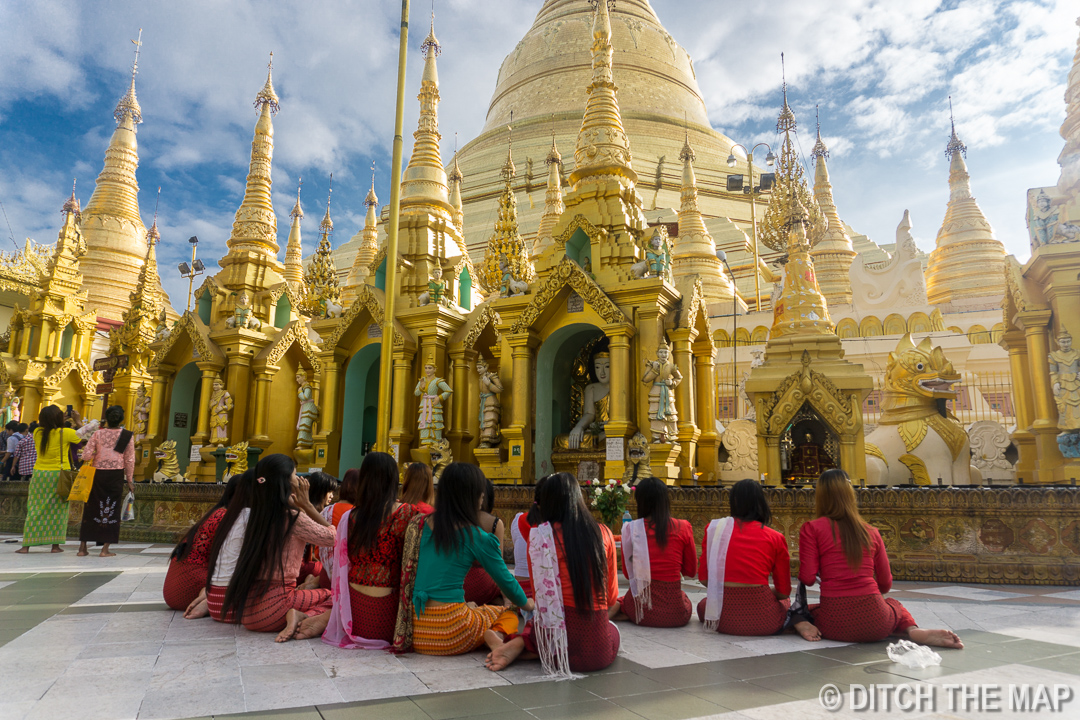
754 552
185 581
848 556
670 555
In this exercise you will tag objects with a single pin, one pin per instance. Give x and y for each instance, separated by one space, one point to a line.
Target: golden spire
602 149
833 253
369 239
790 187
321 279
294 251
71 206
506 241
965 240
424 182
456 179
62 277
694 250
129 104
145 305
1069 159
553 200
255 226
801 308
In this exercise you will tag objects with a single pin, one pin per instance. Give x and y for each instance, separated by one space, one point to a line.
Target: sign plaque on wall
575 303
374 330
194 455
179 420
614 448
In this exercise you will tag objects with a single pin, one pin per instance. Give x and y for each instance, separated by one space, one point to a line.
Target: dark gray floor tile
738 695
669 705
876 673
1063 663
1042 649
684 676
618 684
401 709
765 665
981 637
544 694
854 654
283 714
797 686
594 710
466 703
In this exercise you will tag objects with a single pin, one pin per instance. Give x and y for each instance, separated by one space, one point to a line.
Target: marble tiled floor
90 638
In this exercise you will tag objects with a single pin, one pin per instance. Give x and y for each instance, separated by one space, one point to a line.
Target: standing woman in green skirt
47 512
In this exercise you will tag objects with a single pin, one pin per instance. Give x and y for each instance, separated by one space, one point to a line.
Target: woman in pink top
258 550
848 556
112 451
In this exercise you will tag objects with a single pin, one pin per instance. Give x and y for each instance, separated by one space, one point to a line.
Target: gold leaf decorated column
520 431
1044 427
619 423
684 404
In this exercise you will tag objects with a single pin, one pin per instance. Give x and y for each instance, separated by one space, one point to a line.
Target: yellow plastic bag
80 489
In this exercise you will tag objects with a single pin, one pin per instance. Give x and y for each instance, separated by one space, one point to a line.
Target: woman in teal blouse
449 544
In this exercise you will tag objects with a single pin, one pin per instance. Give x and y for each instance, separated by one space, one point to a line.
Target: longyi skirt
101 513
46 514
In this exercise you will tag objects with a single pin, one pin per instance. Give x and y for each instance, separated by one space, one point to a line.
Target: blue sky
881 70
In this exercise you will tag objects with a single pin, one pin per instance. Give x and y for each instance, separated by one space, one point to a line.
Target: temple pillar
24 340
48 327
238 384
261 419
708 441
684 404
620 424
459 435
400 432
648 340
1044 427
519 434
158 383
327 443
1016 345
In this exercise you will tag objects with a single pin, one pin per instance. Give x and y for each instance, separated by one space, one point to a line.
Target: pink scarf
635 547
339 631
718 533
549 622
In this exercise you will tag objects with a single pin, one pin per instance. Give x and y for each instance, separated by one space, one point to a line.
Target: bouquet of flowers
609 498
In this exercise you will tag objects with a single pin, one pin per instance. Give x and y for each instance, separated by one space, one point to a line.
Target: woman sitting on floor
257 553
367 569
419 487
185 581
738 553
572 562
848 555
321 489
520 529
333 513
479 587
450 540
658 551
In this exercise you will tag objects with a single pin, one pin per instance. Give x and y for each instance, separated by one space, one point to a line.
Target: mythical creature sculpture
236 460
638 457
440 457
989 441
141 413
510 286
433 393
243 316
490 405
657 262
663 376
917 437
740 442
168 469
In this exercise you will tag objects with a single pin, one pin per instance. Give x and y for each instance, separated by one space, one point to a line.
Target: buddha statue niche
588 431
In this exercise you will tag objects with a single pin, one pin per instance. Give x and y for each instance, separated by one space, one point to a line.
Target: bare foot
81 553
311 582
197 609
808 630
936 638
493 639
312 627
500 657
23 551
292 625
56 549
106 554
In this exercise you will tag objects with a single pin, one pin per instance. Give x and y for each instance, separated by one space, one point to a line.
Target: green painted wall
204 307
65 341
578 248
185 399
554 364
283 312
360 405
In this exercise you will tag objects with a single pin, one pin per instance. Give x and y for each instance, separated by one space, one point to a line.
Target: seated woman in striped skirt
848 556
450 540
185 581
572 563
258 550
658 550
738 553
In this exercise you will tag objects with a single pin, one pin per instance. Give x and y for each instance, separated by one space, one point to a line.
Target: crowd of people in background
370 564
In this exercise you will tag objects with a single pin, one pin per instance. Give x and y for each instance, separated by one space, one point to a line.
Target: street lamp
722 257
735 183
193 270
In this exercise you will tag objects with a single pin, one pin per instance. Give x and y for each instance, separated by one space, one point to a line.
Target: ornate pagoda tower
506 243
369 245
833 253
294 251
965 242
694 254
823 396
553 200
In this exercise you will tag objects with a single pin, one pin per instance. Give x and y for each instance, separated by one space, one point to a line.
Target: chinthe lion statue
168 469
637 460
236 460
440 457
917 437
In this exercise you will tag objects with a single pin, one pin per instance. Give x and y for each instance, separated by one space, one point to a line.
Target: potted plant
610 499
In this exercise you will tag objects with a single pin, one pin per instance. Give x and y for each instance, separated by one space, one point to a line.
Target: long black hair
238 485
268 526
583 543
748 502
457 505
489 496
533 516
376 492
320 485
114 418
350 482
654 504
50 418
